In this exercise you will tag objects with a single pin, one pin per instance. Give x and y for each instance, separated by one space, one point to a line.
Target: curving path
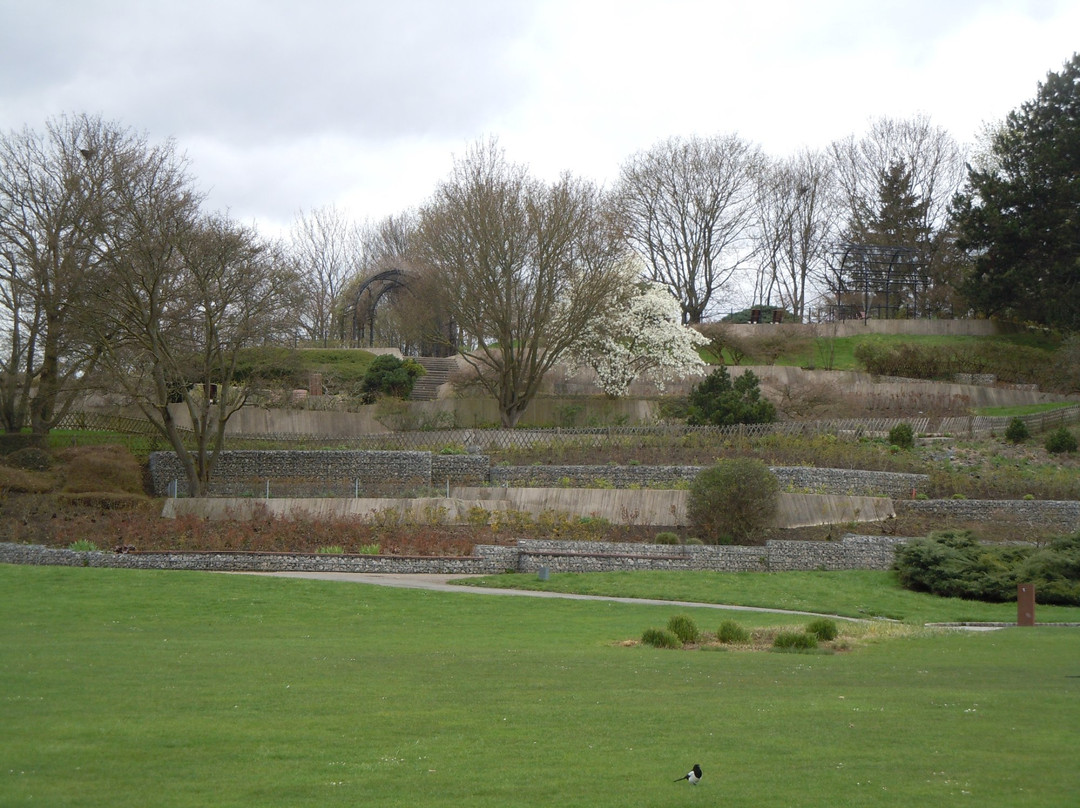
441 583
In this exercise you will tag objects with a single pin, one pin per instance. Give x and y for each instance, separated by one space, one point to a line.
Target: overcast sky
284 105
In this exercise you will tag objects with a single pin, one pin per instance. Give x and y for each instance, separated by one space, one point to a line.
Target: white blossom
645 337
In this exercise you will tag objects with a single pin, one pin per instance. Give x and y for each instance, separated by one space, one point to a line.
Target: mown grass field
125 688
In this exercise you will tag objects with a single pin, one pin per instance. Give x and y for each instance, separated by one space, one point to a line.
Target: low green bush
667 537
731 632
823 628
954 564
1055 571
683 627
660 638
733 500
1060 441
902 435
83 546
795 641
1017 431
333 549
388 375
29 458
719 401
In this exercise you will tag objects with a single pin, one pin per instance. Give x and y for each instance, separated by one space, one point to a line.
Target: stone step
437 372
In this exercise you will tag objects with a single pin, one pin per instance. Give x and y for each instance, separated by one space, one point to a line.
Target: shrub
667 537
683 627
333 549
823 628
101 469
29 458
902 435
1055 571
391 376
732 500
660 638
1017 431
719 401
795 641
26 482
954 564
732 632
1059 441
83 546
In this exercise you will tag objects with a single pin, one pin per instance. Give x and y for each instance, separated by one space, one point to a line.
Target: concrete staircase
437 372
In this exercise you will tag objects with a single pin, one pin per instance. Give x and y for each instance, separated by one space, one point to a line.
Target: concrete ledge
654 508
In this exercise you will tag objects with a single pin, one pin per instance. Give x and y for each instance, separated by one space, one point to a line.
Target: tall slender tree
796 226
327 250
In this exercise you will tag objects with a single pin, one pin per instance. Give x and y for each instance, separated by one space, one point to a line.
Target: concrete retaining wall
656 508
853 552
367 510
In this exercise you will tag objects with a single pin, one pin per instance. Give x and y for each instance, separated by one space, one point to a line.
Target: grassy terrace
126 688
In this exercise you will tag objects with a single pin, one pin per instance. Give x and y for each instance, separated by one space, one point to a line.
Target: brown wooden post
1025 604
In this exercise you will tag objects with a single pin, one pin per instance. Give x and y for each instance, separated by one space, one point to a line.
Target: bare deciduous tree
327 249
796 228
186 293
54 187
686 207
524 267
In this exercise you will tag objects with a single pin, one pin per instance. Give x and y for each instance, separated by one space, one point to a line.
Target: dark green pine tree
895 226
898 215
1019 216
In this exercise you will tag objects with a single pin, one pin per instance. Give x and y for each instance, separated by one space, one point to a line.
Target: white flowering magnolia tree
644 337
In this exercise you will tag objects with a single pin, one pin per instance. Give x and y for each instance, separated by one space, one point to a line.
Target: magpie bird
693 775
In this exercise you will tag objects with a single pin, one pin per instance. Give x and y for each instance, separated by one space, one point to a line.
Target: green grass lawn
848 593
1023 409
838 353
126 688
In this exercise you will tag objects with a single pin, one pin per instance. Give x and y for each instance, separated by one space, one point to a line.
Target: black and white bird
693 775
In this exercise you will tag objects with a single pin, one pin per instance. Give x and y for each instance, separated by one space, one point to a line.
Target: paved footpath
441 583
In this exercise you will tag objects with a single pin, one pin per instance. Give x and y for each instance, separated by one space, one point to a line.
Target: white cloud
284 105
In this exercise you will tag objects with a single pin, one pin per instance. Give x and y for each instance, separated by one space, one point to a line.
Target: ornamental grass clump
660 638
732 633
795 641
683 627
823 628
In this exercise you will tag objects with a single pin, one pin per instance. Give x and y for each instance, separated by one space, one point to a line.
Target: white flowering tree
644 337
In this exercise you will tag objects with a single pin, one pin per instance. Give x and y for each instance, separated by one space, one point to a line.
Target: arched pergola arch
869 270
380 284
370 292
